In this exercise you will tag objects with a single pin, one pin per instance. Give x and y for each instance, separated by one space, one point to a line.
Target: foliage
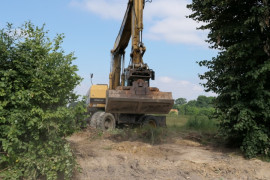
152 135
240 74
175 122
173 113
202 106
37 82
204 102
180 101
202 123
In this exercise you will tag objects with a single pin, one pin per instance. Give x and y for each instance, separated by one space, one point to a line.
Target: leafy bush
173 113
37 82
202 106
209 112
202 123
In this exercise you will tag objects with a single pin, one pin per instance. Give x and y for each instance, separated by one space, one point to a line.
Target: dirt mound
103 158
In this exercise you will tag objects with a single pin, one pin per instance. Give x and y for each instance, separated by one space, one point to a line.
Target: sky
91 27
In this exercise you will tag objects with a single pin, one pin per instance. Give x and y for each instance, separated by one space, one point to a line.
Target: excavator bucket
138 100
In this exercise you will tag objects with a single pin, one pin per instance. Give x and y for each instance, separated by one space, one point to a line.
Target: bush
173 113
201 123
153 135
209 112
255 143
37 82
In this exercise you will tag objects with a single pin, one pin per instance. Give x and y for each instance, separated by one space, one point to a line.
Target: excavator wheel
94 119
150 121
106 121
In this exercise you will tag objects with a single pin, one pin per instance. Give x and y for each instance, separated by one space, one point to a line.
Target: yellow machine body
97 95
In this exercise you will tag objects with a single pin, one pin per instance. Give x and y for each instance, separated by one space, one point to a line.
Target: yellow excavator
129 99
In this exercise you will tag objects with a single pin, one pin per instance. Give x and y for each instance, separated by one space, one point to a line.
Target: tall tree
240 74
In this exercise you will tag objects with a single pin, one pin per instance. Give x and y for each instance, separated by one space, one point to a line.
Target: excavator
129 98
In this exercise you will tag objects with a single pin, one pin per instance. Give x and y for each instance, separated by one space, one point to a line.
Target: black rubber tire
95 118
150 120
106 122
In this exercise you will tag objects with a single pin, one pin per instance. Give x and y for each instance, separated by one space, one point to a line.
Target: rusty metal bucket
138 100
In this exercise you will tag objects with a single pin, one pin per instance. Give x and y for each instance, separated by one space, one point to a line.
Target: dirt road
112 158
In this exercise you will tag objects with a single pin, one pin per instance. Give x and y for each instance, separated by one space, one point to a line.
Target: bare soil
110 157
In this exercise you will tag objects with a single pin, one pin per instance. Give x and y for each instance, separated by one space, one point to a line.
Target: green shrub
152 135
173 113
201 123
37 82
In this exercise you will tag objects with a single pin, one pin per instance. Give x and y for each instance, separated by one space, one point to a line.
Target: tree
192 103
180 101
240 74
204 101
37 82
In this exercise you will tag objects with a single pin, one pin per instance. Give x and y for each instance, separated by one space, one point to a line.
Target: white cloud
165 19
168 22
108 9
180 88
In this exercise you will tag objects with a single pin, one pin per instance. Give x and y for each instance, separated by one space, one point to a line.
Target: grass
146 134
200 124
174 121
197 128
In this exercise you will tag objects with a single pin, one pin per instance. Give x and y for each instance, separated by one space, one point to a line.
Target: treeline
203 105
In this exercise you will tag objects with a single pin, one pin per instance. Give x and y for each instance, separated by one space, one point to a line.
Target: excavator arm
132 27
118 51
124 35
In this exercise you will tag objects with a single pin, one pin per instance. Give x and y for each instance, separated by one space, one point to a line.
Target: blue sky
91 26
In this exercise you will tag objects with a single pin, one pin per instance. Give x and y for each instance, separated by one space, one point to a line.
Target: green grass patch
194 123
198 128
202 124
176 121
